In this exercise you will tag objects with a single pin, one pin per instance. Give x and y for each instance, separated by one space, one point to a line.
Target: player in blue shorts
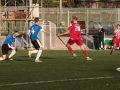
7 45
33 34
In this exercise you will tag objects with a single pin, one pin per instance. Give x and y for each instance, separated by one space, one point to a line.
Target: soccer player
75 37
116 39
7 45
33 34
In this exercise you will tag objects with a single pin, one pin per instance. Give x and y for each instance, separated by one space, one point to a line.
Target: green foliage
50 3
101 5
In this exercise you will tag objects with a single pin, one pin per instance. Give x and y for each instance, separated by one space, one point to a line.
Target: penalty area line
52 81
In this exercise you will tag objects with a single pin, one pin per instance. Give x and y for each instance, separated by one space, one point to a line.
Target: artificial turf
59 71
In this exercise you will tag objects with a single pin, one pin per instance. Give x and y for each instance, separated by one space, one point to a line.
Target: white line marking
52 81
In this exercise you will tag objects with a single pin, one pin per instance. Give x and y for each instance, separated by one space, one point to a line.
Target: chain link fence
90 19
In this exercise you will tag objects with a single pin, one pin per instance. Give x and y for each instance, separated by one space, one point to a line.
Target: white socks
33 51
12 53
38 54
1 58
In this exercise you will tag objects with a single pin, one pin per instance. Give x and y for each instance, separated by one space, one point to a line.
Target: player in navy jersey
7 45
33 34
75 37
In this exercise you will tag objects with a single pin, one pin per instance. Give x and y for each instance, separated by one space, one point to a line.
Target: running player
75 37
33 34
7 45
116 39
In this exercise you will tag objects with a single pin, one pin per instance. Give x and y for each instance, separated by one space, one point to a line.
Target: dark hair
36 19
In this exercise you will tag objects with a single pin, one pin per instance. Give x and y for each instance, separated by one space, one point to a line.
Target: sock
34 51
1 58
70 50
12 53
112 49
38 54
85 53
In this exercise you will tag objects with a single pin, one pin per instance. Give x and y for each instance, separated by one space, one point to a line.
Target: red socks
85 53
70 50
112 49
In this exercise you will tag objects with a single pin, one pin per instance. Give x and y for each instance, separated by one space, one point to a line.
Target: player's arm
28 33
100 29
10 46
115 35
63 33
45 31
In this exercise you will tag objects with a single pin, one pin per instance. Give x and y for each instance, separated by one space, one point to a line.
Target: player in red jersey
116 39
75 37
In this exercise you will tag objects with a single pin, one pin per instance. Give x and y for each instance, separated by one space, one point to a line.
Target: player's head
62 23
16 33
118 26
74 18
36 20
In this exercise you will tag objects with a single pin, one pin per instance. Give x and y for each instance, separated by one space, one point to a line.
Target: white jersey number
77 28
32 31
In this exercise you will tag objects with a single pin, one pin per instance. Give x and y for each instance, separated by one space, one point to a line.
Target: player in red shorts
116 39
75 37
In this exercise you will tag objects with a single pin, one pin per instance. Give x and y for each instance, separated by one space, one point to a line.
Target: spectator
101 37
61 27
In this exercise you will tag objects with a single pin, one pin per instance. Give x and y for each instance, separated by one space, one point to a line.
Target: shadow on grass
21 58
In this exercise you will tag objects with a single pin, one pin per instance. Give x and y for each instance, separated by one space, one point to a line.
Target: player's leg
13 52
113 48
114 45
3 57
4 52
85 52
69 43
37 46
103 43
99 43
38 55
80 43
69 48
31 52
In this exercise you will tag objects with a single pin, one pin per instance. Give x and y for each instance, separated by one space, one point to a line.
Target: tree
83 4
116 4
101 4
11 2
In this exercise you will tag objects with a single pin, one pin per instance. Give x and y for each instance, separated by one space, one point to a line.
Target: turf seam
52 81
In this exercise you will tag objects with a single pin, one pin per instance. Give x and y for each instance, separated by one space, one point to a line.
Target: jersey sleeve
116 34
40 28
70 27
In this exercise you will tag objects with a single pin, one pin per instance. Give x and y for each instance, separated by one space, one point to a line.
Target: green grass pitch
59 72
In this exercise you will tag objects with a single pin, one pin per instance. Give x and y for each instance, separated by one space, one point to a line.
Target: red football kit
116 39
75 34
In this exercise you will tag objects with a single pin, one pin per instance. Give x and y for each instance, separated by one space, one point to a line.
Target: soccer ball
118 69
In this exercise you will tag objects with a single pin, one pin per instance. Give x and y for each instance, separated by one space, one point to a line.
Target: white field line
52 81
